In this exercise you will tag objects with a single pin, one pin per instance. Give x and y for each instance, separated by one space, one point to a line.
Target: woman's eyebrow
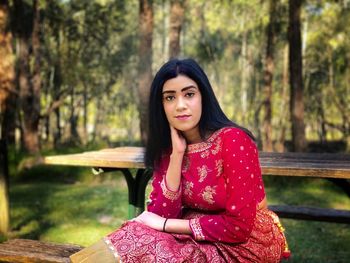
168 91
182 90
188 87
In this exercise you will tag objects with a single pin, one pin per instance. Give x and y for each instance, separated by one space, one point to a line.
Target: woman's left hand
151 219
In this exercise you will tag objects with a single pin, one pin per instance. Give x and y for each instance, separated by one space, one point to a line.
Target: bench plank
28 251
282 164
312 213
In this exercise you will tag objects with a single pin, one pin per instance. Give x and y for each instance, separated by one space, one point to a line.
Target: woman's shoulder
236 135
232 131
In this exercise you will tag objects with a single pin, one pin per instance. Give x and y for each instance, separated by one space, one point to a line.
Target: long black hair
212 118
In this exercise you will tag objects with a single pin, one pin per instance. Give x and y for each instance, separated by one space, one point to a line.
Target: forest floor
69 205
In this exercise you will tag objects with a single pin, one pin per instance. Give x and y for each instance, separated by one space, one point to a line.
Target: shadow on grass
305 191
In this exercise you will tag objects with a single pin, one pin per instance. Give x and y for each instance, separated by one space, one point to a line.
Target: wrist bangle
166 219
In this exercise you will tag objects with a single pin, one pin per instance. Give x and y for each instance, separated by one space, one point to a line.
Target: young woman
208 202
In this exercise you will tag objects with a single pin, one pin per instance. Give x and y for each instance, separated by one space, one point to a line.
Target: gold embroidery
217 147
188 187
205 154
219 167
202 172
202 146
169 194
208 193
186 163
197 229
112 248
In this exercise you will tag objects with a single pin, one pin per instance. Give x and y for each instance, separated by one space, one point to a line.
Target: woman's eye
169 98
190 94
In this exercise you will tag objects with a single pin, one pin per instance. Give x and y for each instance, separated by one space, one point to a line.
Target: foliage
89 65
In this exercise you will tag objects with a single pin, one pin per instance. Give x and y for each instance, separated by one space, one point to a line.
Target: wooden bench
330 166
30 251
315 165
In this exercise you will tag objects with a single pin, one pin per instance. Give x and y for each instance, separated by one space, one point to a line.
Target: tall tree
177 11
145 62
4 194
296 76
283 111
7 76
268 77
29 79
6 85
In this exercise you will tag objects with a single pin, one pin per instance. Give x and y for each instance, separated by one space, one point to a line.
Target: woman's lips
182 117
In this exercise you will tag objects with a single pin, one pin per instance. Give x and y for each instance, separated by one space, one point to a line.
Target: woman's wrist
177 155
164 225
173 175
180 226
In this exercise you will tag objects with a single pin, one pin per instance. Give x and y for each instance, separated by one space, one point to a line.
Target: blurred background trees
78 72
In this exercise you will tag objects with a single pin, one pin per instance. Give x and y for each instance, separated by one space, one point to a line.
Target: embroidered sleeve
164 202
196 229
172 195
242 174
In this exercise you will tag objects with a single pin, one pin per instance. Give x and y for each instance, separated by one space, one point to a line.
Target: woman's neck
192 136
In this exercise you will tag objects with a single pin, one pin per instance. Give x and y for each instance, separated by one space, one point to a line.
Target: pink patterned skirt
135 242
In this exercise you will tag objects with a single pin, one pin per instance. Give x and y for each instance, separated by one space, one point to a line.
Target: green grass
68 205
79 213
312 241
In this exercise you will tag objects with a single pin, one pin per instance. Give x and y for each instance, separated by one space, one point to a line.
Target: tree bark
73 119
29 79
268 78
284 101
7 77
244 75
296 79
145 63
177 11
4 193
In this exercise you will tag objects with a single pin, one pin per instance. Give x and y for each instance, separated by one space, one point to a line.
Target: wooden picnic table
319 165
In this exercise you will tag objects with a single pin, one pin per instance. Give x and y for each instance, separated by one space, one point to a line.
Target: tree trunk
296 80
177 11
145 63
29 72
284 101
244 75
57 83
85 115
6 92
7 76
4 195
73 120
268 78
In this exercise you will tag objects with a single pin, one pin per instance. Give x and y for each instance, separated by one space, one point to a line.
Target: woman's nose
181 104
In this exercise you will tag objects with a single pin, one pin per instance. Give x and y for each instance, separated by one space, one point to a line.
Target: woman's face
182 102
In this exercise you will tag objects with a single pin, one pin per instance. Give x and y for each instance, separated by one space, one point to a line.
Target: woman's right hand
178 141
173 174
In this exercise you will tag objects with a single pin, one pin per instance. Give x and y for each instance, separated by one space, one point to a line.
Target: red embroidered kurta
221 187
222 177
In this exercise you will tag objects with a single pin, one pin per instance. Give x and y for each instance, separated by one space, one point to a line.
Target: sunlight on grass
84 235
78 213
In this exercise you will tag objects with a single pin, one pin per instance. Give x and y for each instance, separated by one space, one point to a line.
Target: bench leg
131 191
136 187
142 178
